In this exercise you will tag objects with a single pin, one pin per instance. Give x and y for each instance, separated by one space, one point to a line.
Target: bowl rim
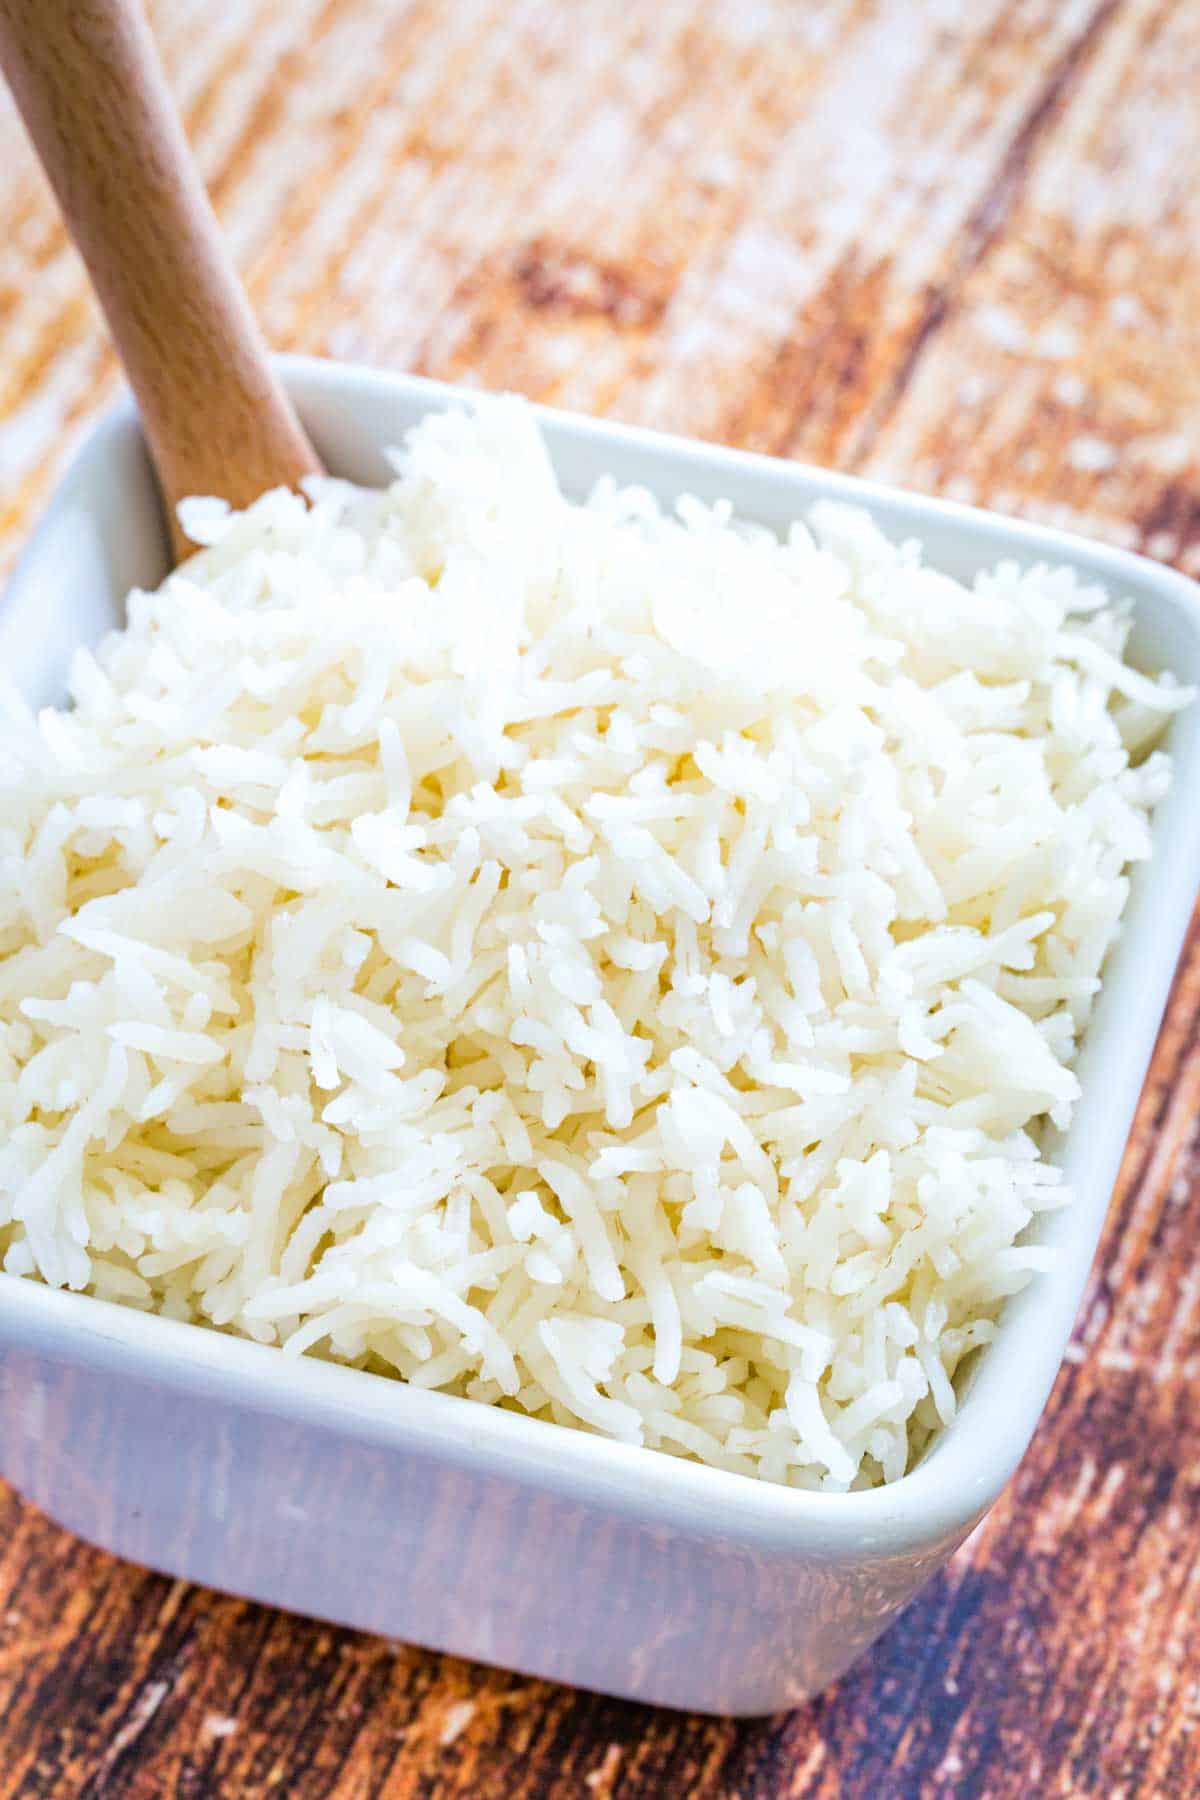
952 1484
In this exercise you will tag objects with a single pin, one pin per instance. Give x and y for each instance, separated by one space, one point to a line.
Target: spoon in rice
91 90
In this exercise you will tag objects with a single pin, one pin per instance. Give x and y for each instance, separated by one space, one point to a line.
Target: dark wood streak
986 221
563 245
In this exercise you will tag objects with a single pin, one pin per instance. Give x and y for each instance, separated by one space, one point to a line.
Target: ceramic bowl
477 1531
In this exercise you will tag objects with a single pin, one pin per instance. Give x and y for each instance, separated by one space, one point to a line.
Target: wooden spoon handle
88 81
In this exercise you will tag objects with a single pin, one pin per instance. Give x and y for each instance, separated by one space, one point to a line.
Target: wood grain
952 244
91 89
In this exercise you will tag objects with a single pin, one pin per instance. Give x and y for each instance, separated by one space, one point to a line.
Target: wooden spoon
92 92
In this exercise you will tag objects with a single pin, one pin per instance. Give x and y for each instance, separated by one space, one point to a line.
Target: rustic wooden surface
953 244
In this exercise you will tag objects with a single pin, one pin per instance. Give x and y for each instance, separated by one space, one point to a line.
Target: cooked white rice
597 961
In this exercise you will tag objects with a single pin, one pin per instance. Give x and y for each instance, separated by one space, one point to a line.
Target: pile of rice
596 960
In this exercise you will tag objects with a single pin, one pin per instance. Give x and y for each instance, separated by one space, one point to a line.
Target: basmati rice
594 960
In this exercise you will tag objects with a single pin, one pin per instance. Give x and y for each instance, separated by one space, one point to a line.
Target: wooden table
952 244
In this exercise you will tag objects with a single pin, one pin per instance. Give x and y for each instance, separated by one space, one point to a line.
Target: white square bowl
477 1531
